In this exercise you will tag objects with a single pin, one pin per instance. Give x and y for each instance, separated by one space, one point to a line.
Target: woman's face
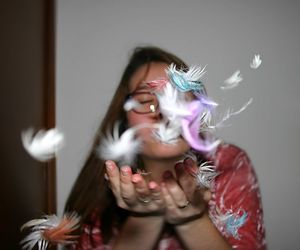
151 147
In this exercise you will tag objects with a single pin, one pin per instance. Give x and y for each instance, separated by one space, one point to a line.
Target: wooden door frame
49 97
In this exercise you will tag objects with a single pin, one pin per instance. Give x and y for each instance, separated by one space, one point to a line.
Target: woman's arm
142 228
191 221
237 207
202 234
136 233
139 233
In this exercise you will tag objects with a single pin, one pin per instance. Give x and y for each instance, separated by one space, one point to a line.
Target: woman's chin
159 150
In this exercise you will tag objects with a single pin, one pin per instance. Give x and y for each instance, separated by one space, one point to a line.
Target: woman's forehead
147 73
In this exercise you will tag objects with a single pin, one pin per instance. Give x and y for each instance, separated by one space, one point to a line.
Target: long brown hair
90 192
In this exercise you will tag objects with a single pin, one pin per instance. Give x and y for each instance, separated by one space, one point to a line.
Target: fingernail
152 185
178 166
109 165
167 174
125 171
188 162
135 178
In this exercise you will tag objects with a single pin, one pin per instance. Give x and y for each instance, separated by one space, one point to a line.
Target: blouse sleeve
236 207
91 236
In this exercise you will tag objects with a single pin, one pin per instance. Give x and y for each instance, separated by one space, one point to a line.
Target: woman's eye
143 99
146 101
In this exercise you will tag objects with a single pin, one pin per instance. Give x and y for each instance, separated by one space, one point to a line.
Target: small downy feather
172 103
206 174
168 132
131 104
44 145
233 81
256 62
209 107
121 149
186 81
50 230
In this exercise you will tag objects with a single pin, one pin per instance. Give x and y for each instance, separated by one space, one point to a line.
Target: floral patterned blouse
235 207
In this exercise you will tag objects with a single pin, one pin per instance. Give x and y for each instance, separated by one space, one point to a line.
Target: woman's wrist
147 214
191 220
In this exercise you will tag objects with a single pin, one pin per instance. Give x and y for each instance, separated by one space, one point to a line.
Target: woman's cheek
137 119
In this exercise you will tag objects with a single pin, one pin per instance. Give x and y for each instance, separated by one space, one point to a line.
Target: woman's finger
174 190
169 202
207 195
113 176
184 177
155 192
126 187
141 189
190 185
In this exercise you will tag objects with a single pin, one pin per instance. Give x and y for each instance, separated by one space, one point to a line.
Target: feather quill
229 113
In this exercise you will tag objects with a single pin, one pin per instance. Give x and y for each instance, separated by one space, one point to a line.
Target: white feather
190 154
229 114
206 118
131 104
122 149
256 62
186 81
172 103
168 133
35 237
44 145
232 81
38 226
206 175
195 73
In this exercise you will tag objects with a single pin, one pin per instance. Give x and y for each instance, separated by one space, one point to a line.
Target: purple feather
190 128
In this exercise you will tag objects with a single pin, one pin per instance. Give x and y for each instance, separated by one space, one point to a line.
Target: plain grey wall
94 39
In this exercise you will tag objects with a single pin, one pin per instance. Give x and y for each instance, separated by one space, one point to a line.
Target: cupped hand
184 199
132 192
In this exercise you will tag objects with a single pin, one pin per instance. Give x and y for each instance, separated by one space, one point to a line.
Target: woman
164 208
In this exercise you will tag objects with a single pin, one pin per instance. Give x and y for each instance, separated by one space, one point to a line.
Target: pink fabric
235 192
